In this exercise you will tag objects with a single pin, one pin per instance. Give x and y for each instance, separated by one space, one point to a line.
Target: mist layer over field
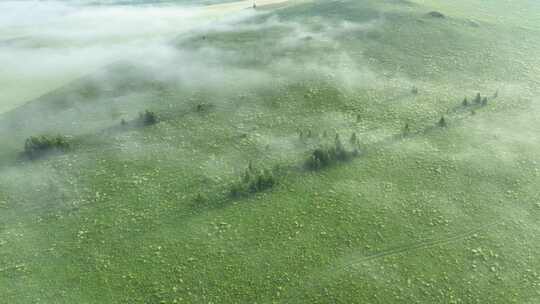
46 44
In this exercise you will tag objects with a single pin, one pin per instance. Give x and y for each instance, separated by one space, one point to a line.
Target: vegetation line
256 180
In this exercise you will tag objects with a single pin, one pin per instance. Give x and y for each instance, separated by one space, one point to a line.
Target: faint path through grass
428 243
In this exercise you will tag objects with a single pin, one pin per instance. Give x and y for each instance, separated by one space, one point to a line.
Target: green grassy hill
433 214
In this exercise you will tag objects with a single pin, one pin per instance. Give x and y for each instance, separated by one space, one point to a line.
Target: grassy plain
143 214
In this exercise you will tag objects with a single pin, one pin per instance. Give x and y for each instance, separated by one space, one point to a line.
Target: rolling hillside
307 152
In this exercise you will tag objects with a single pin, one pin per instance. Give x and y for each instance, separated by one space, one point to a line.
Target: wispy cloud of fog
44 45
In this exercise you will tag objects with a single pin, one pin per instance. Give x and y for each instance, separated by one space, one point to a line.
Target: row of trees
478 100
326 156
254 181
36 146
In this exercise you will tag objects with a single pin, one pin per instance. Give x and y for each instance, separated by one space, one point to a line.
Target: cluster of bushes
435 14
477 101
203 107
326 156
36 146
146 118
253 181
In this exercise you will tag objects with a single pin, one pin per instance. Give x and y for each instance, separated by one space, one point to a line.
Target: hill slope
428 212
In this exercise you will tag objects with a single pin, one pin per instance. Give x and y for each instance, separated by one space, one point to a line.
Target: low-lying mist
44 45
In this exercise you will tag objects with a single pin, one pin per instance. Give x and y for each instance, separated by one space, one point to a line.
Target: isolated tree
484 101
247 176
339 149
358 118
406 129
354 139
237 190
442 122
414 90
200 198
465 102
148 118
478 99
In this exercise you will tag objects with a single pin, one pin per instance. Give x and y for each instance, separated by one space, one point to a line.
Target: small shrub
484 101
435 14
478 99
406 129
442 122
148 118
200 198
203 107
340 151
354 139
237 190
465 102
414 90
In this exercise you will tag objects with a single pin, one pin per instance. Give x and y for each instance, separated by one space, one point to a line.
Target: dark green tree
478 99
200 198
484 101
442 122
354 139
148 118
406 129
